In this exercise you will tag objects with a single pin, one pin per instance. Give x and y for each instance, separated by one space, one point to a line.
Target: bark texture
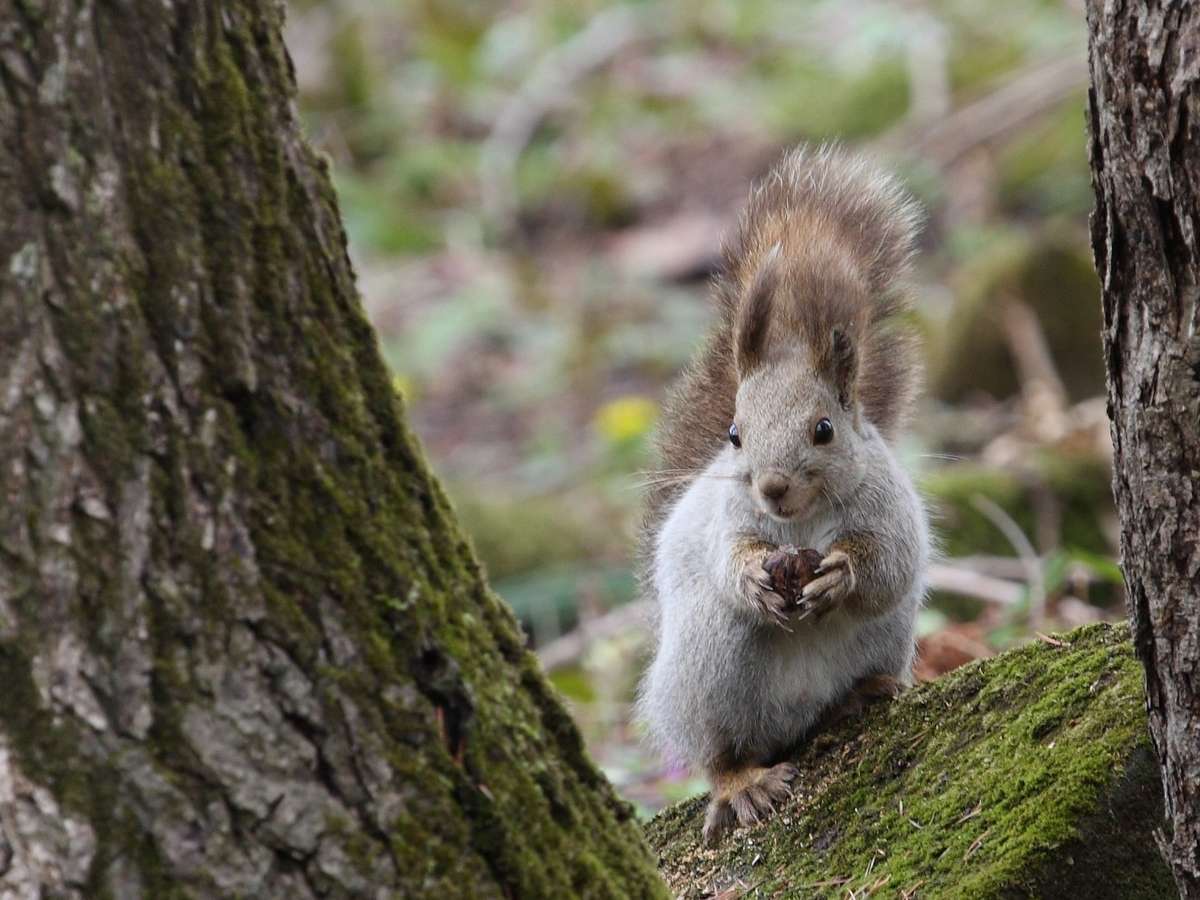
244 649
1028 775
1144 114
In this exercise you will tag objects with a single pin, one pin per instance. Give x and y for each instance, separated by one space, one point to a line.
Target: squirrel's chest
816 533
808 653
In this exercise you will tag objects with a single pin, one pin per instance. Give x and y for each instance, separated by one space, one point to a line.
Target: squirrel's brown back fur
826 218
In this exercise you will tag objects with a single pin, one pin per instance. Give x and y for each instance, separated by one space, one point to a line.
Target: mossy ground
1025 775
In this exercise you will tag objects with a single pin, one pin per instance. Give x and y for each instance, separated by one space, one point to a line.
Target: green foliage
797 71
1044 171
833 104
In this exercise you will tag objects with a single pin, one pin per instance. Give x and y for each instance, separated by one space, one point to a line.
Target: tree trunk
1145 152
244 649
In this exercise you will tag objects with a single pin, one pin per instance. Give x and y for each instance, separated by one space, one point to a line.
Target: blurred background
535 194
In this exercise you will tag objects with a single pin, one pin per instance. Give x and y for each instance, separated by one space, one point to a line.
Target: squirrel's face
797 446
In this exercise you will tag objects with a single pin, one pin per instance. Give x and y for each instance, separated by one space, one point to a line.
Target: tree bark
1144 115
244 648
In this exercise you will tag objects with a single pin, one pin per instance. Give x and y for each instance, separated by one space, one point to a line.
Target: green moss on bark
239 429
1026 775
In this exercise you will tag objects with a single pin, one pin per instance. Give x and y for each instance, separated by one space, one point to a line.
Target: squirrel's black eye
823 433
733 436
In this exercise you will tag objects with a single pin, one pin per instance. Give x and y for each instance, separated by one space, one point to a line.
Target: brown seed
791 568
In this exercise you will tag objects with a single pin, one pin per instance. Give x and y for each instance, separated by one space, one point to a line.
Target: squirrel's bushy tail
828 215
830 194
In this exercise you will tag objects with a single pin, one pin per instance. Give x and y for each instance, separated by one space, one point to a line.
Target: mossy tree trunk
244 649
1145 153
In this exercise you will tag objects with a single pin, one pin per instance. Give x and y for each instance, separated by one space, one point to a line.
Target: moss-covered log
244 649
1026 775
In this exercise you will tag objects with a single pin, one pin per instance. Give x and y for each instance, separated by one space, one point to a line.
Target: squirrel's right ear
754 318
844 360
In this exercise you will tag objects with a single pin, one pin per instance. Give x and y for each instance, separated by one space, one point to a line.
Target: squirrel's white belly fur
720 681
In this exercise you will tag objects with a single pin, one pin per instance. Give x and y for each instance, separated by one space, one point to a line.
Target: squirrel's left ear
844 359
754 318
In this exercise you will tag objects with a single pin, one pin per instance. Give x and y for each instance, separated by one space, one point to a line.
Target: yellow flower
626 418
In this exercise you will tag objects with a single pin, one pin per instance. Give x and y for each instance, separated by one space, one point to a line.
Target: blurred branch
569 648
928 71
969 583
1025 96
1043 403
1042 389
1020 543
548 87
1003 567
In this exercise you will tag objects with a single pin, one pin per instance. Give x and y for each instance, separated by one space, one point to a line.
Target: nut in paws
791 568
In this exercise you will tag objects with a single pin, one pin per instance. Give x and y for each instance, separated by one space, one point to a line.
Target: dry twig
1030 93
1020 543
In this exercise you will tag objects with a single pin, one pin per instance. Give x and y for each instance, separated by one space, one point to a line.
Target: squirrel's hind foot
866 692
746 796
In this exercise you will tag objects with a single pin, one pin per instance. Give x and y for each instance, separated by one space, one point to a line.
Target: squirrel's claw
815 607
719 818
834 582
835 560
756 585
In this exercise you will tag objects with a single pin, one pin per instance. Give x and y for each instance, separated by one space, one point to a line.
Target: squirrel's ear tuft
754 317
844 366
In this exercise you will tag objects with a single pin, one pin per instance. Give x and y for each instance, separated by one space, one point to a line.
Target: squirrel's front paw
835 581
755 585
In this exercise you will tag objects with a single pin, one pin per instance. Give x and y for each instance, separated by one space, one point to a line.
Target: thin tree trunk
1145 152
244 649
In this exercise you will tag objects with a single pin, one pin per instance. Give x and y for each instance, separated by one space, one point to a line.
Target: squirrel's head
797 424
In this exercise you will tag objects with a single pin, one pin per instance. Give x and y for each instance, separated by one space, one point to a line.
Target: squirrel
779 434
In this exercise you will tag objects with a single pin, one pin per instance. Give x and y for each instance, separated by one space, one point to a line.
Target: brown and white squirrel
779 435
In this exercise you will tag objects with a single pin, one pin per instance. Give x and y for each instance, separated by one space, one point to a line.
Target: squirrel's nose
773 485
